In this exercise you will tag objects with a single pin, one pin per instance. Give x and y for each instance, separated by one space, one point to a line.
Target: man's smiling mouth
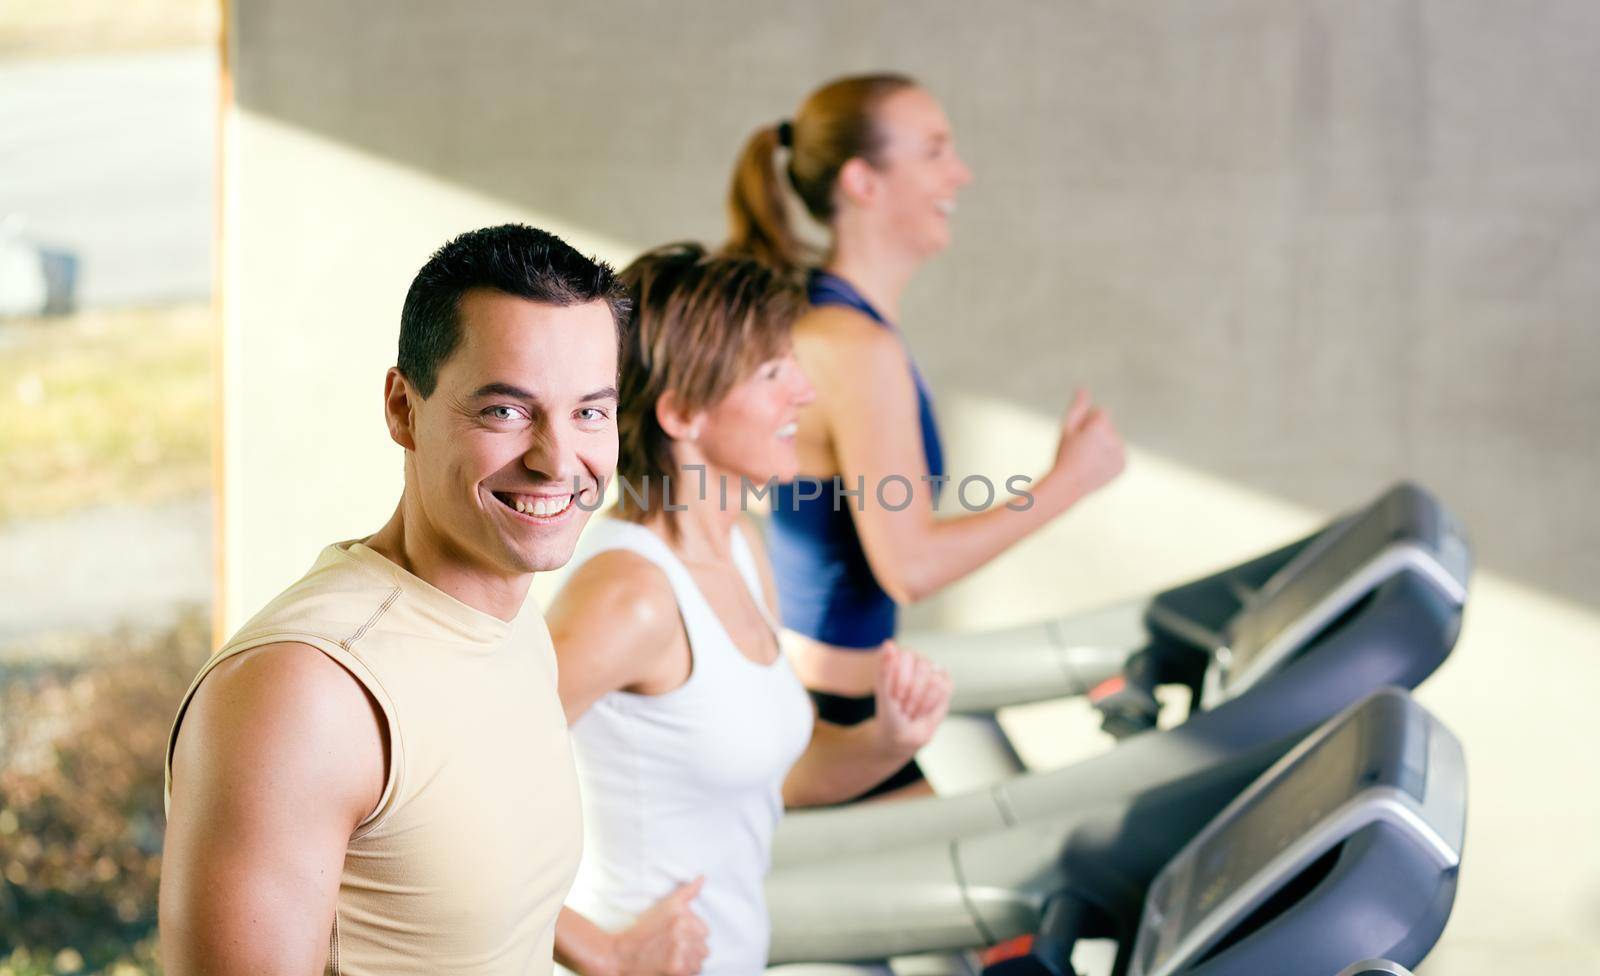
536 508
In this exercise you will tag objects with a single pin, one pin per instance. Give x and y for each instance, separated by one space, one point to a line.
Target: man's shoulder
282 672
286 714
285 685
338 595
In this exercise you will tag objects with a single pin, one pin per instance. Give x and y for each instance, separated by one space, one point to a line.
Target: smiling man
373 775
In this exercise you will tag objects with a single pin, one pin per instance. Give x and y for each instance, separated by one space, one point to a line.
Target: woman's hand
842 762
1090 453
913 695
669 939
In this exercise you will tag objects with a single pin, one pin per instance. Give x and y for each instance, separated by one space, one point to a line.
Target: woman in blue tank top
872 159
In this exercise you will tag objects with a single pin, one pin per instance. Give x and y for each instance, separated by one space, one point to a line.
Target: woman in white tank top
692 733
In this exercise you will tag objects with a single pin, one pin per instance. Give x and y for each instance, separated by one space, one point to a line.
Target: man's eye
593 414
502 412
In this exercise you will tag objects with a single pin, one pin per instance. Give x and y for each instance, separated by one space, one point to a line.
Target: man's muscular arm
280 755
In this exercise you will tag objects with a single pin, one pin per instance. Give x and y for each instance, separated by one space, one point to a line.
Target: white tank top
689 782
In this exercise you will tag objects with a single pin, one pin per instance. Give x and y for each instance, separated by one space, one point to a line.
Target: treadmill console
1384 761
1404 530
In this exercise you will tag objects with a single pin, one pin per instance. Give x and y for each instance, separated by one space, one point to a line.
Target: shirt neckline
463 621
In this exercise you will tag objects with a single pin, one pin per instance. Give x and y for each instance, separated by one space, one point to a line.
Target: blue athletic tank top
826 589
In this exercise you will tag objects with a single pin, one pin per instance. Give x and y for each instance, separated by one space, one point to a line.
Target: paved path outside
97 571
112 158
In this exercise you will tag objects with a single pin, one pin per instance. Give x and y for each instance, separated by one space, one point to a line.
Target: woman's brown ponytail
758 216
835 124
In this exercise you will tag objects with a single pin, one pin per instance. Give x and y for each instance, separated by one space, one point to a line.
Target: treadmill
1347 847
1223 635
1396 634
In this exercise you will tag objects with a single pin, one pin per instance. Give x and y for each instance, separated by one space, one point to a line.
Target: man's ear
400 401
675 422
858 182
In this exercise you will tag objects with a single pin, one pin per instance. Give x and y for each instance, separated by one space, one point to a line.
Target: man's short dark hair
512 258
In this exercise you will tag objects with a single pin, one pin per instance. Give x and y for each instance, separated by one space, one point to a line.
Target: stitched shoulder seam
349 642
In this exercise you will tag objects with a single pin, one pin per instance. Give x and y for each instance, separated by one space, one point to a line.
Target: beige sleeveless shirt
463 866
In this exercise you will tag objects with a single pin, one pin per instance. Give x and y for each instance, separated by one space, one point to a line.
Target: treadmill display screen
1226 860
1296 589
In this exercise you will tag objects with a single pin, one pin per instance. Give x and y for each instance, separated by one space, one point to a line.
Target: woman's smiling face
918 171
750 432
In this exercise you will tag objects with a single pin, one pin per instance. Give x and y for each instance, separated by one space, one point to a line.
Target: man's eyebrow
518 393
503 389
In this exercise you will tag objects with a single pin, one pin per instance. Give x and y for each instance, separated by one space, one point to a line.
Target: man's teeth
789 429
946 207
541 507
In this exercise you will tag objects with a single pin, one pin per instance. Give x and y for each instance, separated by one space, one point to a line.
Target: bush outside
81 811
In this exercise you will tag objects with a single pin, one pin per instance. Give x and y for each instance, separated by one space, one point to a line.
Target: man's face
524 411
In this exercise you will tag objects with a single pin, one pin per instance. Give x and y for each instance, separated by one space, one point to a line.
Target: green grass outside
104 408
57 28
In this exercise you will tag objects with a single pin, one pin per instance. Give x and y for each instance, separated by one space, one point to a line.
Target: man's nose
552 455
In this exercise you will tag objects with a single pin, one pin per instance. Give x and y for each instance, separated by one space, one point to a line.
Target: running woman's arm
867 404
912 697
280 755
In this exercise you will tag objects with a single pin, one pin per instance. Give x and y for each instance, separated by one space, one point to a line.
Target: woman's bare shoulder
839 323
620 590
835 338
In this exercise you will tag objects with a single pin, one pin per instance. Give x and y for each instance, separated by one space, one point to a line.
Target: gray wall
1306 247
